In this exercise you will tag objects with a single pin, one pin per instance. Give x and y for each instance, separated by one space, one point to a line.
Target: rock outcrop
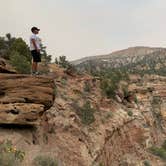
114 136
21 113
23 98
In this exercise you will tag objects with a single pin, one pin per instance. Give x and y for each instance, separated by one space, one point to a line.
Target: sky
80 28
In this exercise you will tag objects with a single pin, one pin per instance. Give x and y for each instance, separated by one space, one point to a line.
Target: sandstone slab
18 88
21 113
23 98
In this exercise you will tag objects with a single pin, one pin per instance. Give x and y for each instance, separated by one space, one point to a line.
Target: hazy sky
79 28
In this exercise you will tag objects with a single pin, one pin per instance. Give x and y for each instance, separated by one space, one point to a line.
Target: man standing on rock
35 47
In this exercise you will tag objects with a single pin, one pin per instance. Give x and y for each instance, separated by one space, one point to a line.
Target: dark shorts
36 56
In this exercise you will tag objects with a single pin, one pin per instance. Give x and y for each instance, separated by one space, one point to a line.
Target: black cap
35 28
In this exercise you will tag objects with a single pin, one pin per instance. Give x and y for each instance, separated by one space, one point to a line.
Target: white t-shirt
37 41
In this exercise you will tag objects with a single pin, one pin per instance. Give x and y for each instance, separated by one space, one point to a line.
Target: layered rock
114 138
21 113
24 98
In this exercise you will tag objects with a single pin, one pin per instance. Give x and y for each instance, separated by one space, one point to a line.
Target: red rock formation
24 98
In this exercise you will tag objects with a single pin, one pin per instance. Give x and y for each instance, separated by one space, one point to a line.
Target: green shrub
106 117
63 81
20 63
109 88
85 113
135 99
156 100
147 163
130 113
87 87
20 46
158 152
9 155
70 69
110 80
109 115
44 161
125 92
164 145
101 164
62 61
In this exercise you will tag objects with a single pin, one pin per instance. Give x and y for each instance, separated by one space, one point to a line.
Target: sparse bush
147 163
135 99
70 69
87 87
63 81
85 113
125 92
150 89
109 115
9 155
164 145
110 81
62 61
108 88
156 100
45 161
130 113
158 152
106 117
64 96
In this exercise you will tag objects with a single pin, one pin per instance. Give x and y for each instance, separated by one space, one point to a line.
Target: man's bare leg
34 67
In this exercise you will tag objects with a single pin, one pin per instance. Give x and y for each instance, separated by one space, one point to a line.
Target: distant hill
134 59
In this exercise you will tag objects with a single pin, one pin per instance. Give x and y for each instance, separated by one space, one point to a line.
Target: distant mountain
134 59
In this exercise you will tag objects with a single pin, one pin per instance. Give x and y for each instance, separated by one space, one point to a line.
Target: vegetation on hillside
113 69
9 155
155 63
110 80
146 63
44 161
85 113
159 151
64 63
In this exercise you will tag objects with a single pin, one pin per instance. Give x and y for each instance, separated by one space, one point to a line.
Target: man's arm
34 44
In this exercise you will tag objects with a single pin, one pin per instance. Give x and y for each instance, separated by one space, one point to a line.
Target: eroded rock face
21 113
114 138
24 98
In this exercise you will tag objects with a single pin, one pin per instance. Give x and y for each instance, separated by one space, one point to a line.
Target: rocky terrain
68 118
